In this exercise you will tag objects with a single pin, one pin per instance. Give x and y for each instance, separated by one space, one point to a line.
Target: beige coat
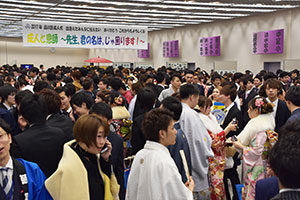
70 180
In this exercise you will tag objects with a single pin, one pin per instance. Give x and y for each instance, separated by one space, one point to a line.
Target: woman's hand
238 145
107 153
190 184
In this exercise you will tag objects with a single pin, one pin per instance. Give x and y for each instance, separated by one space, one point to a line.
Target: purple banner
171 48
210 46
268 42
144 53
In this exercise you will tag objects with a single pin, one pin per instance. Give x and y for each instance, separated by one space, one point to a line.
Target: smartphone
233 138
104 149
234 121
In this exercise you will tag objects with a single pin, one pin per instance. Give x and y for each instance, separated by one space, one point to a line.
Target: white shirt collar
7 106
9 164
289 190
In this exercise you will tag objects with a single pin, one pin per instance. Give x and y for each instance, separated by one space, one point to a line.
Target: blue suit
35 178
181 144
266 189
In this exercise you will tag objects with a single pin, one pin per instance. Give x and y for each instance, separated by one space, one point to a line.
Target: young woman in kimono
251 143
217 134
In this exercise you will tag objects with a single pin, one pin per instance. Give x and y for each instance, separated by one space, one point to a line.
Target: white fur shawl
211 123
262 122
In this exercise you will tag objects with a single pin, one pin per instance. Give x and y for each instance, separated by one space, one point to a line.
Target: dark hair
283 74
102 109
5 126
188 90
103 94
204 102
293 95
160 77
215 76
265 108
174 105
63 89
284 157
34 70
33 108
188 72
7 90
154 121
39 85
81 97
71 89
296 71
136 87
247 79
269 75
52 100
229 90
272 83
86 128
258 76
146 98
144 77
22 94
87 83
68 80
174 75
76 74
51 77
111 99
117 84
237 76
104 81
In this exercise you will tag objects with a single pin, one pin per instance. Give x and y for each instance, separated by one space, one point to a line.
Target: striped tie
6 184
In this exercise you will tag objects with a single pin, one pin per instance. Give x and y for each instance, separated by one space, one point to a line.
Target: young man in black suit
227 96
40 143
284 160
281 112
117 153
250 93
54 118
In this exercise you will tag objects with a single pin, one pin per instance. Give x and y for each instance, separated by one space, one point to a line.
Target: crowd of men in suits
41 107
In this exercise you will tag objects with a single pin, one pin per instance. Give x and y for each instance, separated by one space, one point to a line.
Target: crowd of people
70 133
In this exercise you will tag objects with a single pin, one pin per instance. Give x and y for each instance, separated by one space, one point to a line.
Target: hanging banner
210 46
171 48
60 34
268 42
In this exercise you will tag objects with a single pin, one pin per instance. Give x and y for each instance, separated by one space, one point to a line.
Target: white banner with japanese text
60 34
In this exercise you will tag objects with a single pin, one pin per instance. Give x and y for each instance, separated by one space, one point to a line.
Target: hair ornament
259 102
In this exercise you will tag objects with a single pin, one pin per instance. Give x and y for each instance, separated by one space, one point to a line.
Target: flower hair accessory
259 102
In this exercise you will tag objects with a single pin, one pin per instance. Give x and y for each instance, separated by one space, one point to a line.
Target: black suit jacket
244 107
64 123
117 160
289 195
17 191
234 112
210 90
137 139
159 89
201 89
41 144
282 115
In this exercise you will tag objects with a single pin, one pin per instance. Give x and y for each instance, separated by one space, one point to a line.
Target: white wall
13 52
236 45
236 42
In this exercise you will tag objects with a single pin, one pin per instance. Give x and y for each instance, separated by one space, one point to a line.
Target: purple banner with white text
210 46
268 42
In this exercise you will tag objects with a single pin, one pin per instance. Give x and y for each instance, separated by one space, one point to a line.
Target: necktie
6 183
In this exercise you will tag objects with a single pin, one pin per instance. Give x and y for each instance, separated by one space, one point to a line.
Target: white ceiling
156 14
